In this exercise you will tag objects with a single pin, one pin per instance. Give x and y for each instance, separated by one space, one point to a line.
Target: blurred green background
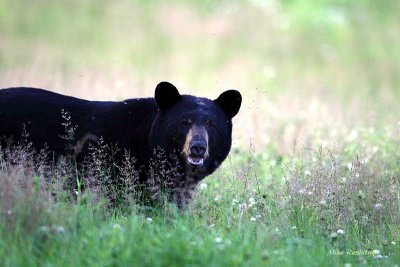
311 72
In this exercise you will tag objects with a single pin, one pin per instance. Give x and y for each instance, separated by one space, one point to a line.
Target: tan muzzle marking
195 132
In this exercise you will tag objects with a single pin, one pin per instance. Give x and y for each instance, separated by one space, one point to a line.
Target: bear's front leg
183 196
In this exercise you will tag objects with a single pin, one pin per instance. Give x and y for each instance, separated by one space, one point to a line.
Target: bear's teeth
195 161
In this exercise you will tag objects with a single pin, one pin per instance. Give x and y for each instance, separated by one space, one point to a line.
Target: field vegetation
313 175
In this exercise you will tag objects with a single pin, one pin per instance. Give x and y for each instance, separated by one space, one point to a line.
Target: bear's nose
198 149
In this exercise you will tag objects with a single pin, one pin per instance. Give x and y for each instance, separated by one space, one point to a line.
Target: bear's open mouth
195 161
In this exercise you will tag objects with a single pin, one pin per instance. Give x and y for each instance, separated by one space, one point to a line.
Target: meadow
313 175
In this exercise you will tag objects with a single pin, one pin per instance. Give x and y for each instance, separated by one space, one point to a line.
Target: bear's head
197 130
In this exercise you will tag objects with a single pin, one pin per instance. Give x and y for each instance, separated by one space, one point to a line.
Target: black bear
196 132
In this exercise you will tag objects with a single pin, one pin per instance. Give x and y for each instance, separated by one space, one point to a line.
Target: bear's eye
186 122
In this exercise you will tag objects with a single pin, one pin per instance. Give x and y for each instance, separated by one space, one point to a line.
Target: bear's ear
230 102
166 95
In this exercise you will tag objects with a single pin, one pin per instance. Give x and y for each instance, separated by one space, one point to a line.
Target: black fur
137 125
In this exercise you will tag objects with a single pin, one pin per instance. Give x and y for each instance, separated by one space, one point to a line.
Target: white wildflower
252 219
340 232
307 173
376 252
60 229
149 220
393 243
378 207
252 202
218 240
349 165
203 186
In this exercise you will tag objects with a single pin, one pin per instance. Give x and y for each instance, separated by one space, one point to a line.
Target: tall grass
256 210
